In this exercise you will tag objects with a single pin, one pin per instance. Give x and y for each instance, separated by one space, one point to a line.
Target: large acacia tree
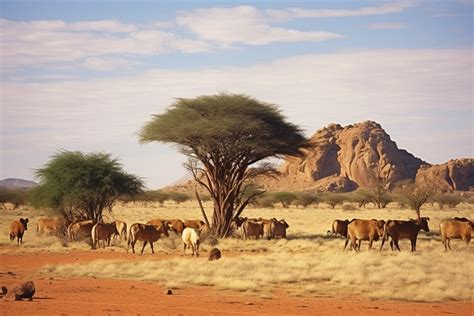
224 136
81 186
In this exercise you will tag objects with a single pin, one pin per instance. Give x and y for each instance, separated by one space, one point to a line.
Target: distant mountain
14 183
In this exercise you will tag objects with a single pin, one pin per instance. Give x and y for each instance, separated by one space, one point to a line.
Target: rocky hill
341 159
14 183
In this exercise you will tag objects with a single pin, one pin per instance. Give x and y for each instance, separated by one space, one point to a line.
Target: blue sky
85 75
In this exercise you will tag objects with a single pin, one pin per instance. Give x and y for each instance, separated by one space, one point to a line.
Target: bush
16 197
306 199
361 197
449 199
178 197
264 201
285 198
349 207
333 199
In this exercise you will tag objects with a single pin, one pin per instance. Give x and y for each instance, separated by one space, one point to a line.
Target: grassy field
309 262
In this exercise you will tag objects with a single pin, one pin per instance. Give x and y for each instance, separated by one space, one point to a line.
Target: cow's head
24 222
284 223
164 229
423 222
380 225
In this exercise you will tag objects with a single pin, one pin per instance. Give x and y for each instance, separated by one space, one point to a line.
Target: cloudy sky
86 75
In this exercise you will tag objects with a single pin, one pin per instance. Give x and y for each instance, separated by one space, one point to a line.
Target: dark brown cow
339 227
103 231
361 229
404 230
455 229
278 228
17 229
80 230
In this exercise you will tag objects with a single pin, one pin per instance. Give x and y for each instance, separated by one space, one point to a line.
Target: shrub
333 199
306 199
449 199
361 197
349 207
285 198
178 197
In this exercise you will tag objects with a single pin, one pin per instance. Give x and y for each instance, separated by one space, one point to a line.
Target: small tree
178 197
449 199
285 198
333 199
306 199
224 137
361 197
416 195
81 185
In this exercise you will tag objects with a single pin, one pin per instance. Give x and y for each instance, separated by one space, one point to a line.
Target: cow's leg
354 244
144 244
413 244
383 241
133 246
345 245
449 243
360 242
197 248
395 241
184 248
444 243
371 241
151 245
391 244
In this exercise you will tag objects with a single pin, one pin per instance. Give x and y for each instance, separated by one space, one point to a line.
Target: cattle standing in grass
404 230
194 223
361 229
104 232
121 227
157 222
80 230
51 226
267 232
252 229
278 228
191 238
176 225
145 233
17 229
455 229
339 227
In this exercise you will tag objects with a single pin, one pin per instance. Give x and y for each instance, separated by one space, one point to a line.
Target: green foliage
224 135
415 196
285 198
178 197
16 197
361 197
153 196
82 185
449 199
334 199
306 199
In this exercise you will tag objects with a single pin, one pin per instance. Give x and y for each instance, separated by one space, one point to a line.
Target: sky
86 75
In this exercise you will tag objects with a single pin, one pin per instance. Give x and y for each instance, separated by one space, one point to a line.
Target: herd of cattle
354 231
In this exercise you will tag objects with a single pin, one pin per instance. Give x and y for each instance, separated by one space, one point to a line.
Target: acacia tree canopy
81 185
223 135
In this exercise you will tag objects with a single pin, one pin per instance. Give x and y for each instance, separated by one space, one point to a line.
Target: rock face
344 158
454 175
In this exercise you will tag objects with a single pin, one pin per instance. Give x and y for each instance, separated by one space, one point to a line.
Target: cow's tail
94 236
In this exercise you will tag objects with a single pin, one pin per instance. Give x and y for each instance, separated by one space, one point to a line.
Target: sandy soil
104 296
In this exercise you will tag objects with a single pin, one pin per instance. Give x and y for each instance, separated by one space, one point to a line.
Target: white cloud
243 25
402 89
298 13
107 64
387 26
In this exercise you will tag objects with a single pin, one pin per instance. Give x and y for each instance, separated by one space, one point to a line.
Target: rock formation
454 175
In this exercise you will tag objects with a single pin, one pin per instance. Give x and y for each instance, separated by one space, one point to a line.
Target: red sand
105 296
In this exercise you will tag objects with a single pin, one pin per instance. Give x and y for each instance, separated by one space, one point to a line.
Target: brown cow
404 230
145 233
455 229
194 223
252 229
157 222
339 227
17 229
103 231
51 226
362 229
79 230
266 233
176 225
278 228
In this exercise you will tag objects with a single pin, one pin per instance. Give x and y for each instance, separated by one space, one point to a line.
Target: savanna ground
308 273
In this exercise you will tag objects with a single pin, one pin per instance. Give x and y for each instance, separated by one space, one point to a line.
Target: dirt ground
105 296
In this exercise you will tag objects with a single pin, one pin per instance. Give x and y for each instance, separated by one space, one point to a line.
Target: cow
51 226
80 229
252 229
461 219
455 229
362 229
17 229
194 223
157 222
278 228
103 231
397 229
145 233
266 232
176 225
339 227
121 228
191 238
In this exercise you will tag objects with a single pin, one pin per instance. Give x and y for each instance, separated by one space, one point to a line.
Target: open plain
307 273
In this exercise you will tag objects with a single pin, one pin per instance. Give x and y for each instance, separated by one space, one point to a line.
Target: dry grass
308 263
